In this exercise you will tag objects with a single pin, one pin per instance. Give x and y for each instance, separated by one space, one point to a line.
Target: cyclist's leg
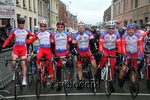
135 65
58 74
23 55
94 65
39 55
122 72
14 57
102 63
79 70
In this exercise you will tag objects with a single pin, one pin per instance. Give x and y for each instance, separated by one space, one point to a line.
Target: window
18 15
146 19
141 22
34 4
135 21
34 22
30 21
17 1
24 4
29 4
136 3
124 5
119 8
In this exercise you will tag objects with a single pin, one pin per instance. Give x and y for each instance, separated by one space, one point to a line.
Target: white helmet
36 28
111 24
81 24
43 22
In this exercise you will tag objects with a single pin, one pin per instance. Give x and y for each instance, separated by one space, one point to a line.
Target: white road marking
75 94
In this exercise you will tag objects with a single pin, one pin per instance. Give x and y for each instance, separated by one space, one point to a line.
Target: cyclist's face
81 29
21 25
111 30
60 28
43 27
131 31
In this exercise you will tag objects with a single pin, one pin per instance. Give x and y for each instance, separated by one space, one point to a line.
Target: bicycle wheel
148 77
134 86
38 85
45 77
92 79
16 83
108 81
30 72
64 74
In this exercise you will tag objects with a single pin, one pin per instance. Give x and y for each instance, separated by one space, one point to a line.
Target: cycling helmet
36 28
136 27
21 20
60 23
131 26
111 24
43 22
81 24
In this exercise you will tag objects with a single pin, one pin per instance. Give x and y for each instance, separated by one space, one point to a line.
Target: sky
88 11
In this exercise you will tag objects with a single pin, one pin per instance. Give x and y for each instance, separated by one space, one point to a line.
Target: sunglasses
42 26
110 28
20 22
60 27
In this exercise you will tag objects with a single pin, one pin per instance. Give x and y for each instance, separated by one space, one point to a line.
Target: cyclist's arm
119 44
101 44
8 40
141 47
28 41
123 41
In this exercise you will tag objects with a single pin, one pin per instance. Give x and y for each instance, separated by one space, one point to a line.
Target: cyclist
44 37
81 41
107 45
131 44
19 34
60 40
36 44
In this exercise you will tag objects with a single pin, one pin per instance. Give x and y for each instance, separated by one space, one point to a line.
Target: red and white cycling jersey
132 44
19 36
61 42
108 41
44 38
82 41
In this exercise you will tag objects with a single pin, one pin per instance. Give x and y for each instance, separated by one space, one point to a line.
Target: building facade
44 11
29 10
54 13
132 11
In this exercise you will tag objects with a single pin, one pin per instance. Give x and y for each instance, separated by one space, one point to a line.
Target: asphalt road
29 92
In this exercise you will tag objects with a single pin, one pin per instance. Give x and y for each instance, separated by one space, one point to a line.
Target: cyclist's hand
127 57
78 57
140 58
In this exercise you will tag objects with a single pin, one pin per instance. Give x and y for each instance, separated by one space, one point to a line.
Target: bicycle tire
15 84
64 74
92 79
45 77
136 83
108 82
148 77
30 73
38 86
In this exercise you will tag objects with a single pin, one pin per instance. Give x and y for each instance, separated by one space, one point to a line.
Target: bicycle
88 70
31 69
18 75
147 62
107 75
132 71
42 75
64 72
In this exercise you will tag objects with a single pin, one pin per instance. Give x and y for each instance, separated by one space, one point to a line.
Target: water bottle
102 73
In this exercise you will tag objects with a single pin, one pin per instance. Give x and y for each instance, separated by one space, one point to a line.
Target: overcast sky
89 11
